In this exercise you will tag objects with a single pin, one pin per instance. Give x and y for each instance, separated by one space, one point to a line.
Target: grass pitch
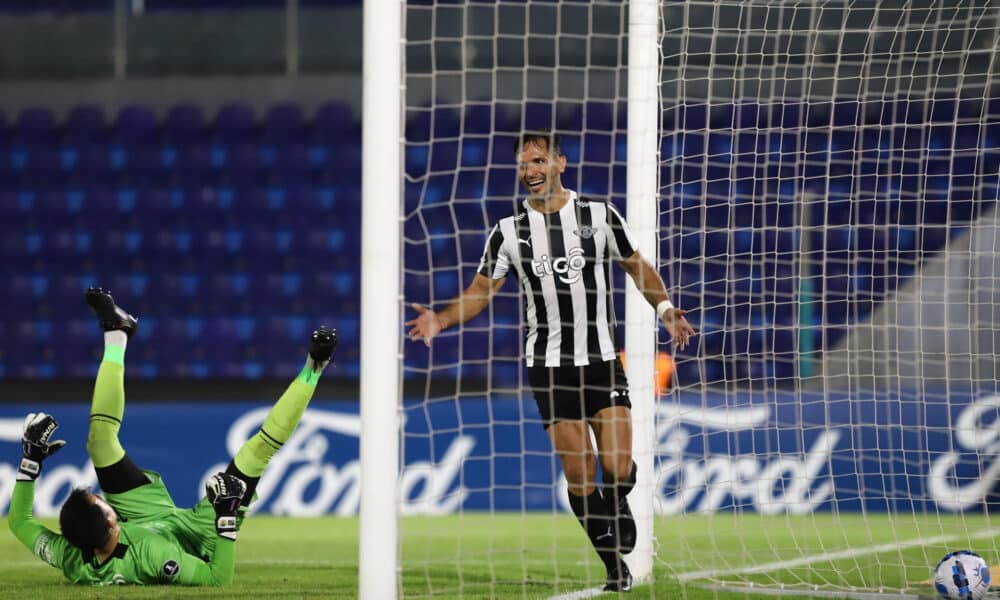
541 556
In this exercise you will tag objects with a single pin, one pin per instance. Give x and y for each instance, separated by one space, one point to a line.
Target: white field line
578 595
830 556
798 593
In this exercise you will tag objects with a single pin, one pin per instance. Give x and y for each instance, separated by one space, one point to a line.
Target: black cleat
112 318
619 578
626 527
324 342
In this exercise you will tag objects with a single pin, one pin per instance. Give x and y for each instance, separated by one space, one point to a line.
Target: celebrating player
559 246
134 533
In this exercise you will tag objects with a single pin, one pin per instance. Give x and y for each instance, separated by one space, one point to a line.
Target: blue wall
772 453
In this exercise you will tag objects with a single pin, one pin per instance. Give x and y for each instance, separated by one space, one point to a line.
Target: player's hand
426 325
225 492
36 445
678 327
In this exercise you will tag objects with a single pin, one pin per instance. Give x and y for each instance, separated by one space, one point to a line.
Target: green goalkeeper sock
108 404
280 423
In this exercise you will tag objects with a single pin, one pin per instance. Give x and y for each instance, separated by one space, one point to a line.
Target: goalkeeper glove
35 445
225 492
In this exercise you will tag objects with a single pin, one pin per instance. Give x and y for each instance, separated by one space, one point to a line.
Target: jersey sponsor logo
568 268
171 568
585 232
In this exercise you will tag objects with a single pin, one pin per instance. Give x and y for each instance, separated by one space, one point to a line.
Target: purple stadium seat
336 123
135 126
85 125
235 123
35 126
477 119
184 124
284 124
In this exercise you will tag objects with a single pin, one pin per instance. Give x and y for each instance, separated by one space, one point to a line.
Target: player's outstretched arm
36 446
469 303
651 285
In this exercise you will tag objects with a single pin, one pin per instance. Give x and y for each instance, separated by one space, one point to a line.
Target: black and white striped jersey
562 262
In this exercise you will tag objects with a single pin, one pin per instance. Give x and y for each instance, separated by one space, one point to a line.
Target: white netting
828 184
477 74
828 174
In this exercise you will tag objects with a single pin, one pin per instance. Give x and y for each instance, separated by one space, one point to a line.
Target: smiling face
540 171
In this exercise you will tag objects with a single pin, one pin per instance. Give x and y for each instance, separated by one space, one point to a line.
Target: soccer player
134 533
559 247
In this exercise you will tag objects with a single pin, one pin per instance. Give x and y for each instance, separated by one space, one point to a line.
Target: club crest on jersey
585 232
568 268
171 568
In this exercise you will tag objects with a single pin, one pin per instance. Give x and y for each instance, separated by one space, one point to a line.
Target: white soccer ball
962 575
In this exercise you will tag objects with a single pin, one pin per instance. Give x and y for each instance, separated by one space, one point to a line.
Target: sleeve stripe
491 253
622 235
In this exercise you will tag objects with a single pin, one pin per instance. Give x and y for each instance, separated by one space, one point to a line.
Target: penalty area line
832 556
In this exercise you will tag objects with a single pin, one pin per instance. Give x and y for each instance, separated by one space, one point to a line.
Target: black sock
616 491
250 481
592 514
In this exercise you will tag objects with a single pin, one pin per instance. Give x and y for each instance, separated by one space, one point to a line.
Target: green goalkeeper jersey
162 547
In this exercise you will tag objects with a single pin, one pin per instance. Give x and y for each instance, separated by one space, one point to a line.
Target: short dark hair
82 521
550 138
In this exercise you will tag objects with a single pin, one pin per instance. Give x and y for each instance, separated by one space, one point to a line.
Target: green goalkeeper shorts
193 528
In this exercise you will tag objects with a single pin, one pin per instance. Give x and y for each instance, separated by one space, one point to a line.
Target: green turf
538 556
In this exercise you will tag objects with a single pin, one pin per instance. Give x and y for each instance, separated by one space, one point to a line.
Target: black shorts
575 393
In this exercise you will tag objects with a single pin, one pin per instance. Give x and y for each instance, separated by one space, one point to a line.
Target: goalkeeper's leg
253 457
116 472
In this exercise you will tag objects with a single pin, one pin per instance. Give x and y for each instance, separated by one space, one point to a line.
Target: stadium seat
85 125
184 124
234 124
34 126
336 123
135 125
284 124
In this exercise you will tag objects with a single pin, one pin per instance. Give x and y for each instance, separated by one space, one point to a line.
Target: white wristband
663 307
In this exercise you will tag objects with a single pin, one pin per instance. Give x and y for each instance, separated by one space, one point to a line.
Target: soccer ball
962 575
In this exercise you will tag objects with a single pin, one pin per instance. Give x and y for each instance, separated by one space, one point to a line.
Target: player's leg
116 472
253 457
560 404
610 413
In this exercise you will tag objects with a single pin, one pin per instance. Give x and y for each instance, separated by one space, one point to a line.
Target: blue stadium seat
35 126
284 124
234 124
135 125
85 125
336 123
183 125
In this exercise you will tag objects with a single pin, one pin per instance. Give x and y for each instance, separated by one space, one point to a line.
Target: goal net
828 184
827 180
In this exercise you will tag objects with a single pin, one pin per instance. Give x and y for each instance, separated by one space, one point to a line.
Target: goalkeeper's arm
36 446
42 541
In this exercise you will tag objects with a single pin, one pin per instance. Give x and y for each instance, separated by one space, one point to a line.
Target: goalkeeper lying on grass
134 533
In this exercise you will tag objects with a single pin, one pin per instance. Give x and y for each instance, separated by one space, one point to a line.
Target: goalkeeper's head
87 521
